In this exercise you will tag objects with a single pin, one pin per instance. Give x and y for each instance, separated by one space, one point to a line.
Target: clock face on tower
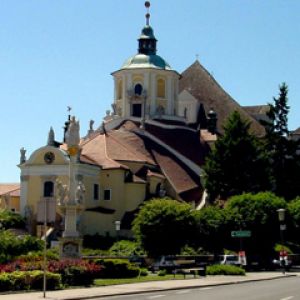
49 157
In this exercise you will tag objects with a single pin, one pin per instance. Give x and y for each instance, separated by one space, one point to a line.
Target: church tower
146 86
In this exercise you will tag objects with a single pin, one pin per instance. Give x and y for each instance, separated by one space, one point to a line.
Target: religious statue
61 192
91 125
72 135
23 155
80 192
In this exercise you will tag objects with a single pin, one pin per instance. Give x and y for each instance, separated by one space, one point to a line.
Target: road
279 289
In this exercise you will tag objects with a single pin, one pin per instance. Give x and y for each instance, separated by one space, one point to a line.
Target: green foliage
118 268
257 213
94 252
143 272
187 250
28 280
237 164
279 247
164 226
224 270
162 273
12 246
9 219
284 160
211 221
125 248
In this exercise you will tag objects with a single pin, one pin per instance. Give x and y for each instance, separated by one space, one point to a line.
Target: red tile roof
10 188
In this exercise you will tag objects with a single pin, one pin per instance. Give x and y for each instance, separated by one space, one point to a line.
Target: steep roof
201 84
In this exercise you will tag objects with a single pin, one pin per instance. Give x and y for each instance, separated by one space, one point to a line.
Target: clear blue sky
55 53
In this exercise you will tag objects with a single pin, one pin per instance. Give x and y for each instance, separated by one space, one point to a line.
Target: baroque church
152 144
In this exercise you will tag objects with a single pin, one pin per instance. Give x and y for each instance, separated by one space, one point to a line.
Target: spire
147 40
147 5
51 137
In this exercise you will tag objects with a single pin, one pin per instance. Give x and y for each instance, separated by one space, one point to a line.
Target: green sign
241 233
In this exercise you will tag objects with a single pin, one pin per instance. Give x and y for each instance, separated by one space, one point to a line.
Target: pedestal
70 247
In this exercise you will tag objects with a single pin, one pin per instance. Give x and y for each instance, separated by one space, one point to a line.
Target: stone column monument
70 198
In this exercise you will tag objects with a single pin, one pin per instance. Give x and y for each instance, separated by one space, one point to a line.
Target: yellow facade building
153 144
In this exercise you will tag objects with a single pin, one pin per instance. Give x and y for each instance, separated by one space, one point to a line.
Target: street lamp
118 228
283 254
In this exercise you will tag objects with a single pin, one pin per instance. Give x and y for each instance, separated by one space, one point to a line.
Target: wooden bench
195 271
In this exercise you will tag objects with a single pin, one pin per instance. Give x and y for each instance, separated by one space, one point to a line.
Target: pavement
151 286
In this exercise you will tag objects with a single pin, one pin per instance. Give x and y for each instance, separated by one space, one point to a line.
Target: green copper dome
152 61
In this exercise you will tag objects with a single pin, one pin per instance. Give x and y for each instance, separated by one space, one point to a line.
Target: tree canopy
237 164
164 226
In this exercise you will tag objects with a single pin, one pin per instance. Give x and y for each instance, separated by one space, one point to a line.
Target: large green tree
237 164
257 213
284 160
164 226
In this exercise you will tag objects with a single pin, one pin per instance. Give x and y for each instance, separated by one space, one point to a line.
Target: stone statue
80 193
114 108
23 155
91 125
72 135
61 192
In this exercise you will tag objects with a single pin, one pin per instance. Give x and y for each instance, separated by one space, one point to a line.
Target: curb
175 288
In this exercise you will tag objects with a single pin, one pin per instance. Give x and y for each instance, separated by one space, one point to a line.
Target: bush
12 246
125 248
162 272
118 268
25 280
9 219
143 272
224 270
73 272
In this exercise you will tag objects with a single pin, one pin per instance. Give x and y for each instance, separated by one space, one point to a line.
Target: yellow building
153 144
10 196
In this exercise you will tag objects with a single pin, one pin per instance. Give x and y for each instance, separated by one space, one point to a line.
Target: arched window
161 88
120 88
138 89
48 189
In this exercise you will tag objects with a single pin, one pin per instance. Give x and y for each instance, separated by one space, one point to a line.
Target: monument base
70 247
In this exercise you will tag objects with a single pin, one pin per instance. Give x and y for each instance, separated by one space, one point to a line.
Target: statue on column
23 155
61 192
72 135
80 193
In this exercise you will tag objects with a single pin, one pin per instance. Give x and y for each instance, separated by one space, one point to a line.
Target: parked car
282 263
231 259
164 263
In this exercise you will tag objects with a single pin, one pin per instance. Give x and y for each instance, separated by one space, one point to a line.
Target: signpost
240 233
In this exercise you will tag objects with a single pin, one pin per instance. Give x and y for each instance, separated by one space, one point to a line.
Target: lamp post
118 228
283 254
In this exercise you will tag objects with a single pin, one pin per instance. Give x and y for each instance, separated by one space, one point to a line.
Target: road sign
241 233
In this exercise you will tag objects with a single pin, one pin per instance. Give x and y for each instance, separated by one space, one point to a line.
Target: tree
211 221
237 163
257 213
164 226
284 162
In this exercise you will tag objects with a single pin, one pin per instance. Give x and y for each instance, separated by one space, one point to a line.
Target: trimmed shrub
162 272
26 280
224 270
118 268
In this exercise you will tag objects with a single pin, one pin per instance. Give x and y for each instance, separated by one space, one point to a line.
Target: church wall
135 194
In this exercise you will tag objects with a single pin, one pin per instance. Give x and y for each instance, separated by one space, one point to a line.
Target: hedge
224 270
118 268
28 280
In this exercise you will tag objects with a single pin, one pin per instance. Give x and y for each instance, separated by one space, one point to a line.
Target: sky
59 53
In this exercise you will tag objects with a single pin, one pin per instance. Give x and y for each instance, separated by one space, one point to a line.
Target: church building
152 144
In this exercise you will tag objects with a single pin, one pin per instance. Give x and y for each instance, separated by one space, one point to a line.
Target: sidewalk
137 288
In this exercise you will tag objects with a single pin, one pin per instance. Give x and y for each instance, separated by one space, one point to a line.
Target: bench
201 270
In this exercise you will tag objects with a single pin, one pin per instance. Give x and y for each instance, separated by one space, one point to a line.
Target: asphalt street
279 289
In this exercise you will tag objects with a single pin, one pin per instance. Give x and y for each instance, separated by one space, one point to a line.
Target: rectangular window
96 191
107 195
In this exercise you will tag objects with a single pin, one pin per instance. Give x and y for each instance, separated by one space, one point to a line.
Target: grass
104 282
